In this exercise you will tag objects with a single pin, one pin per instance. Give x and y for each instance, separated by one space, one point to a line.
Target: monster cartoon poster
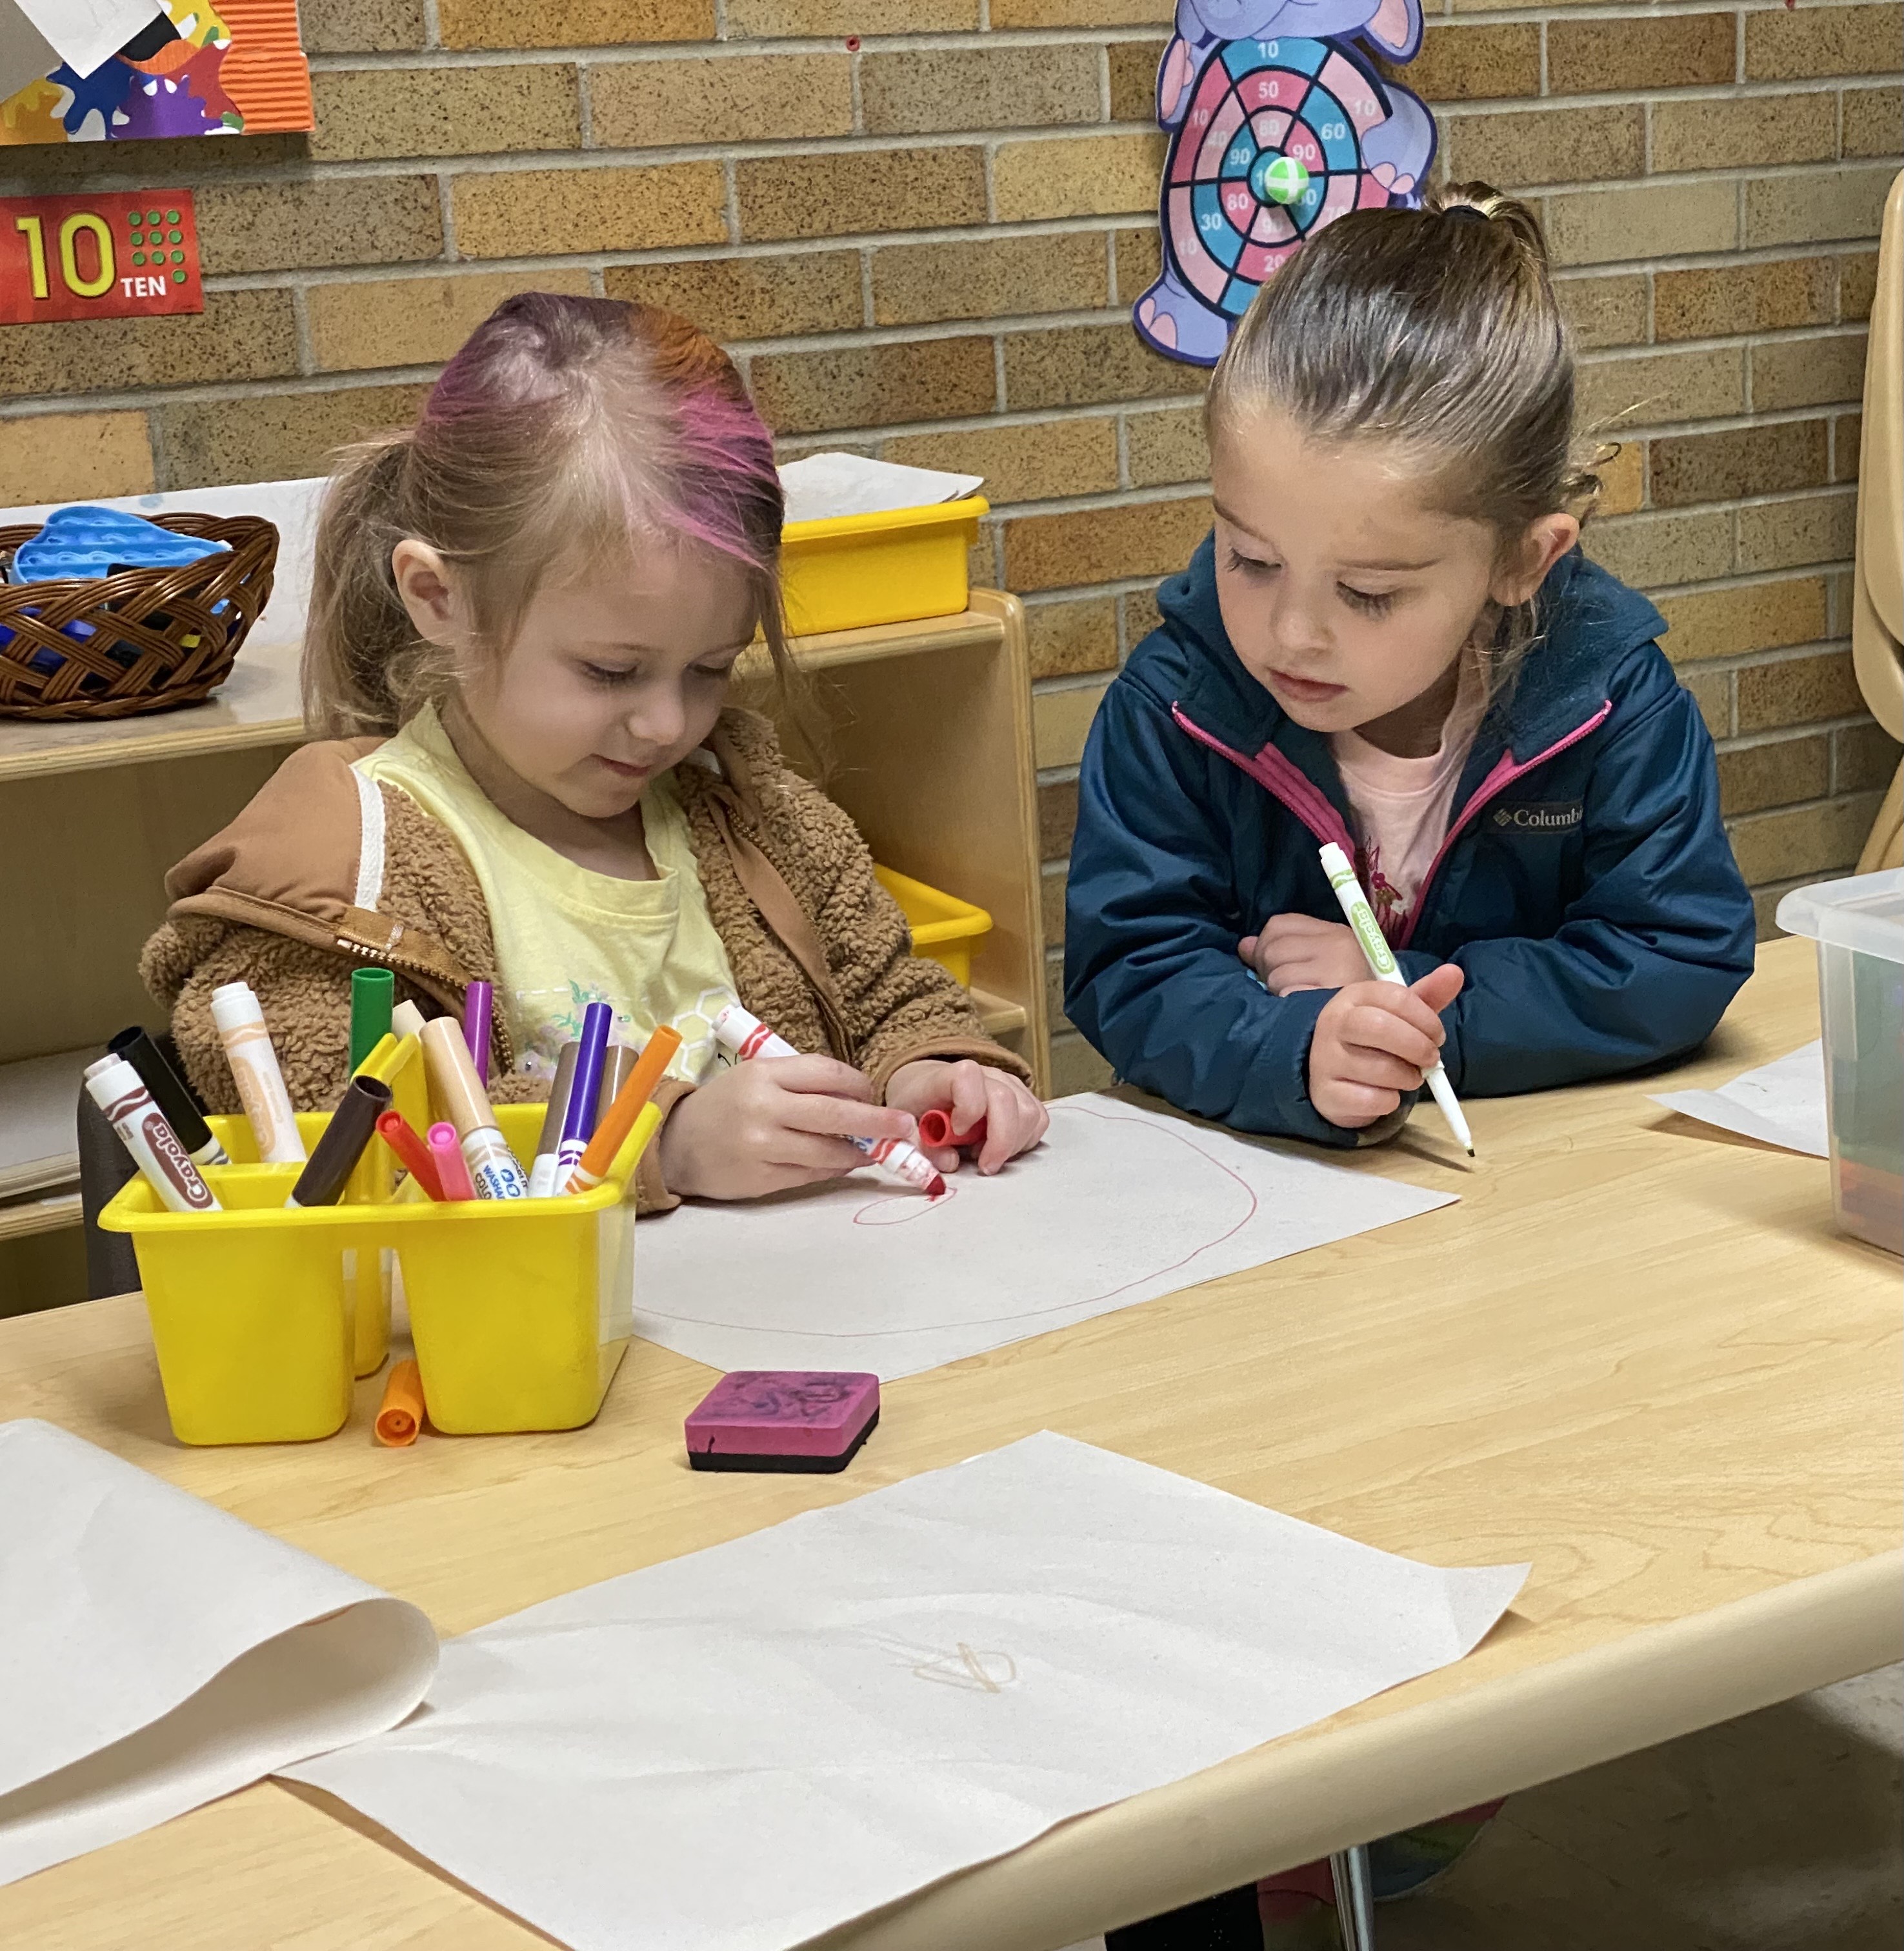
1279 123
198 67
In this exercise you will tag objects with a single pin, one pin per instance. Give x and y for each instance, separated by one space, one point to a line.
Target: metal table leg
1355 1905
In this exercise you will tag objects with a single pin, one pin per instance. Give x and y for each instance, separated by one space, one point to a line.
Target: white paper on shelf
156 1652
1779 1103
820 487
84 34
738 1749
1121 1204
39 1100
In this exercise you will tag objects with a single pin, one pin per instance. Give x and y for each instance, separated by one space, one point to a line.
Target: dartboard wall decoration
1273 135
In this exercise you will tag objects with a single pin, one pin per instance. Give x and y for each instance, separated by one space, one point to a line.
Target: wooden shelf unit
930 751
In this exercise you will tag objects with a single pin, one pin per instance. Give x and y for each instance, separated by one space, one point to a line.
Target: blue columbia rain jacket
1586 886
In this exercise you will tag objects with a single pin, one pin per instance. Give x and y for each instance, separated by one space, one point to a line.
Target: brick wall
924 246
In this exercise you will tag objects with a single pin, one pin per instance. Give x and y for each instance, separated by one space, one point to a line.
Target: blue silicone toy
83 542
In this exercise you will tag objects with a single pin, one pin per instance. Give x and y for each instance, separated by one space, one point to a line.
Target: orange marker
656 1054
400 1420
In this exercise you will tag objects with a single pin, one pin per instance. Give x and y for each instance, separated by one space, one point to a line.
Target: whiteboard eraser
783 1419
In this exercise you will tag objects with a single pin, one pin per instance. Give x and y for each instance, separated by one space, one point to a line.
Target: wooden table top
1637 1353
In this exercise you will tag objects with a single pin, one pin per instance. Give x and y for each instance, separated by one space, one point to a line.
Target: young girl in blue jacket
1392 641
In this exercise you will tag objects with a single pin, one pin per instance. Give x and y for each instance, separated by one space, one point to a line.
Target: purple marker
578 1120
479 1003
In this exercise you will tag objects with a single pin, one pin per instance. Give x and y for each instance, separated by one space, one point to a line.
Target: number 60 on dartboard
123 254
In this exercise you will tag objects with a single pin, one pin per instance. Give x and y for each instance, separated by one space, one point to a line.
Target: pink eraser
782 1419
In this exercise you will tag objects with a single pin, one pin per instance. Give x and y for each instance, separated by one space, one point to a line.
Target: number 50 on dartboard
121 255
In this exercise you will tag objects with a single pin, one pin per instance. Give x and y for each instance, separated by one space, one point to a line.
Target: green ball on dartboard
1285 180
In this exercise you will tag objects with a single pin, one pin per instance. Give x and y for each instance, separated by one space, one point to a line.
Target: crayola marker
240 1021
120 1093
493 1167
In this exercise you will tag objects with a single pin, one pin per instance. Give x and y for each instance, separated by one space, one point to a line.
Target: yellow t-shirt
566 936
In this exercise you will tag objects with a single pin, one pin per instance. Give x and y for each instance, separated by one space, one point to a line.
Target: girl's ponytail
358 639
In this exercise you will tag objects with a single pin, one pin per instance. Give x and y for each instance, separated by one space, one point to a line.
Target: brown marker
120 1093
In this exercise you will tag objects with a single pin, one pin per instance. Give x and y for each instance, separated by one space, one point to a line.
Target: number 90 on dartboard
120 255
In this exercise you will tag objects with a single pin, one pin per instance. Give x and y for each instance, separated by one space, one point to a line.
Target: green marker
373 993
1382 965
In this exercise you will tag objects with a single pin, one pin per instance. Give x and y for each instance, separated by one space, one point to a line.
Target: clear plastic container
1858 925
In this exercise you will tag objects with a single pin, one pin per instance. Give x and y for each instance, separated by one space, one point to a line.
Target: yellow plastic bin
855 571
945 929
521 1310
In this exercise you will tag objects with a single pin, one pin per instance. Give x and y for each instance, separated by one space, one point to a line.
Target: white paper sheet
738 1749
85 34
821 486
1119 1205
1780 1103
156 1652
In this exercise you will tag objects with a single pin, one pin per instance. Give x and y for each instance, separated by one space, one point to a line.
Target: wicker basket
153 639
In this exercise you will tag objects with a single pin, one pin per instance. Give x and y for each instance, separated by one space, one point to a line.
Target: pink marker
446 1153
737 1030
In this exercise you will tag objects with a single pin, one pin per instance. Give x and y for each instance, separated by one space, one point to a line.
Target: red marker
935 1129
412 1153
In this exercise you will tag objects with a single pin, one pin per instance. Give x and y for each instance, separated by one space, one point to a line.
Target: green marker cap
373 995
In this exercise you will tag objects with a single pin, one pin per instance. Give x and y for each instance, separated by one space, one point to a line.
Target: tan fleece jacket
324 871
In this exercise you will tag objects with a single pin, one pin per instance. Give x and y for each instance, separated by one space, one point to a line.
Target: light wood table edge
148 747
1174 1844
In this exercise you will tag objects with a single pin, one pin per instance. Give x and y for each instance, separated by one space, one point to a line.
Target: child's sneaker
1411 1859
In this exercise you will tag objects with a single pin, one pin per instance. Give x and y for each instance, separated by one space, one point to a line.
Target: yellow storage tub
855 571
521 1310
945 929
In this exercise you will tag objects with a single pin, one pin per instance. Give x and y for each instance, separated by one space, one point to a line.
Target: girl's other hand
1373 1041
966 1091
776 1122
1297 951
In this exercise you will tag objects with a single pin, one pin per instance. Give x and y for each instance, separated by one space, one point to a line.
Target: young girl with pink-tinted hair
525 613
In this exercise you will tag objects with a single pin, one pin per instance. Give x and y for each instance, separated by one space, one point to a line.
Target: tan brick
1657 389
1846 430
1051 910
1039 463
1873 119
359 27
451 111
1102 545
1085 365
1689 468
1140 262
414 321
242 335
1081 13
541 213
572 23
772 20
1652 551
1076 1067
1622 478
1137 615
1864 757
209 442
293 226
1483 63
1734 622
733 298
1077 176
1783 46
1598 226
1067 638
988 278
1604 311
1055 1017
1166 446
1798 690
1711 135
651 103
1808 372
1057 817
875 386
924 90
1545 145
1779 773
1857 285
863 190
1712 692
1134 79
1668 51
68 457
1808 840
1820 207
1784 534
1060 719
1717 301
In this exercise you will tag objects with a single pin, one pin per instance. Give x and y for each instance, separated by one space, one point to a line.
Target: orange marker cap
400 1419
656 1054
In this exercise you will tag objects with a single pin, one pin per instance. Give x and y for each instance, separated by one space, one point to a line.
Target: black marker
170 1095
